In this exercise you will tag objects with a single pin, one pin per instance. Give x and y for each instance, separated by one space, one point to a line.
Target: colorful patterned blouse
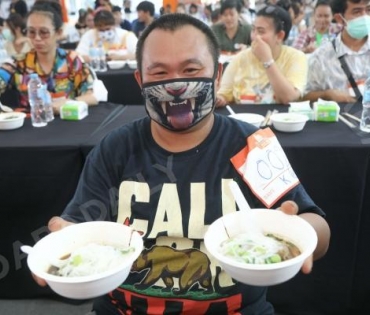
70 77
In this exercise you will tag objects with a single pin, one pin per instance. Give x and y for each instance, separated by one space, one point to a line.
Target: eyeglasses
42 32
274 11
270 9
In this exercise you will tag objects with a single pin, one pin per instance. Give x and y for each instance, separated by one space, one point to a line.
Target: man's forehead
358 4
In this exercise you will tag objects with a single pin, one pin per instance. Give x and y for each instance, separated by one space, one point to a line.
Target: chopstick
267 118
269 122
348 123
353 117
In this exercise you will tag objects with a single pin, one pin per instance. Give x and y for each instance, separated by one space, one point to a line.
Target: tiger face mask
179 104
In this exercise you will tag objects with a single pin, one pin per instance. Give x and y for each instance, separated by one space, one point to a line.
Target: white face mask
107 35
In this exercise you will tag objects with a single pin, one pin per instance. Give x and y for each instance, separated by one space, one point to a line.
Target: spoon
244 206
239 197
5 108
53 261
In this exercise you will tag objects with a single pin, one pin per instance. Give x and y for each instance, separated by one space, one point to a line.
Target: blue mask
359 28
7 34
179 104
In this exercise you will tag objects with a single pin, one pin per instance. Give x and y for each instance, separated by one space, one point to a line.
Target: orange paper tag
265 168
58 95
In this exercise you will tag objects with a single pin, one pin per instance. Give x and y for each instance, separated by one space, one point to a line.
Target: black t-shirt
171 198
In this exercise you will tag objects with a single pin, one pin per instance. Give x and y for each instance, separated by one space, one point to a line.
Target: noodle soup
91 259
258 248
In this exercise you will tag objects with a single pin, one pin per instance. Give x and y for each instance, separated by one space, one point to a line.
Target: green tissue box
326 111
74 110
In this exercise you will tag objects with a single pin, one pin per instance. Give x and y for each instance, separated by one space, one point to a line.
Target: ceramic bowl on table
11 120
132 64
60 244
116 64
288 122
253 119
290 228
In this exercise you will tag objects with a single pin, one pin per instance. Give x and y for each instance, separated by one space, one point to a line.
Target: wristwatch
268 64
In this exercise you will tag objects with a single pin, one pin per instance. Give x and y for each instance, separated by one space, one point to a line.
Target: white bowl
13 120
253 119
288 122
288 227
63 242
132 64
116 64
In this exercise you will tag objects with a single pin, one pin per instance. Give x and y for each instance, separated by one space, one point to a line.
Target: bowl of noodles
260 247
93 258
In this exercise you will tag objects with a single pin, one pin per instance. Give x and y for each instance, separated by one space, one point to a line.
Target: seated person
298 22
63 71
321 31
125 180
81 22
118 43
16 43
120 19
326 78
231 33
269 71
89 19
145 16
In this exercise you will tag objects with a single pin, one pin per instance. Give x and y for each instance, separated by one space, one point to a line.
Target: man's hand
290 207
55 224
220 101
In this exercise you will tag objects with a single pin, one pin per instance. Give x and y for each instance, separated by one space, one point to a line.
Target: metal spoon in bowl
53 261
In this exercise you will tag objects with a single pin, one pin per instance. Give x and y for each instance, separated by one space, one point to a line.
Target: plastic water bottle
36 100
102 58
365 117
48 103
94 58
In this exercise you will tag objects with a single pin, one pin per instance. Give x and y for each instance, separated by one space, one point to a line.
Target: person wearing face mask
16 43
268 72
119 44
326 78
167 176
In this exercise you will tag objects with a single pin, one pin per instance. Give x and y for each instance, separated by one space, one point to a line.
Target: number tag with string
264 166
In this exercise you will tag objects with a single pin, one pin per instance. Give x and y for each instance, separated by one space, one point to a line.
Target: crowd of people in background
312 24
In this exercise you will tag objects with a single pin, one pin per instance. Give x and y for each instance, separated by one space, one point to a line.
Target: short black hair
104 18
281 18
322 3
173 22
146 6
50 8
340 6
231 4
116 8
15 20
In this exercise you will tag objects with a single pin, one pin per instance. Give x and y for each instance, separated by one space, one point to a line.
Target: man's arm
329 95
